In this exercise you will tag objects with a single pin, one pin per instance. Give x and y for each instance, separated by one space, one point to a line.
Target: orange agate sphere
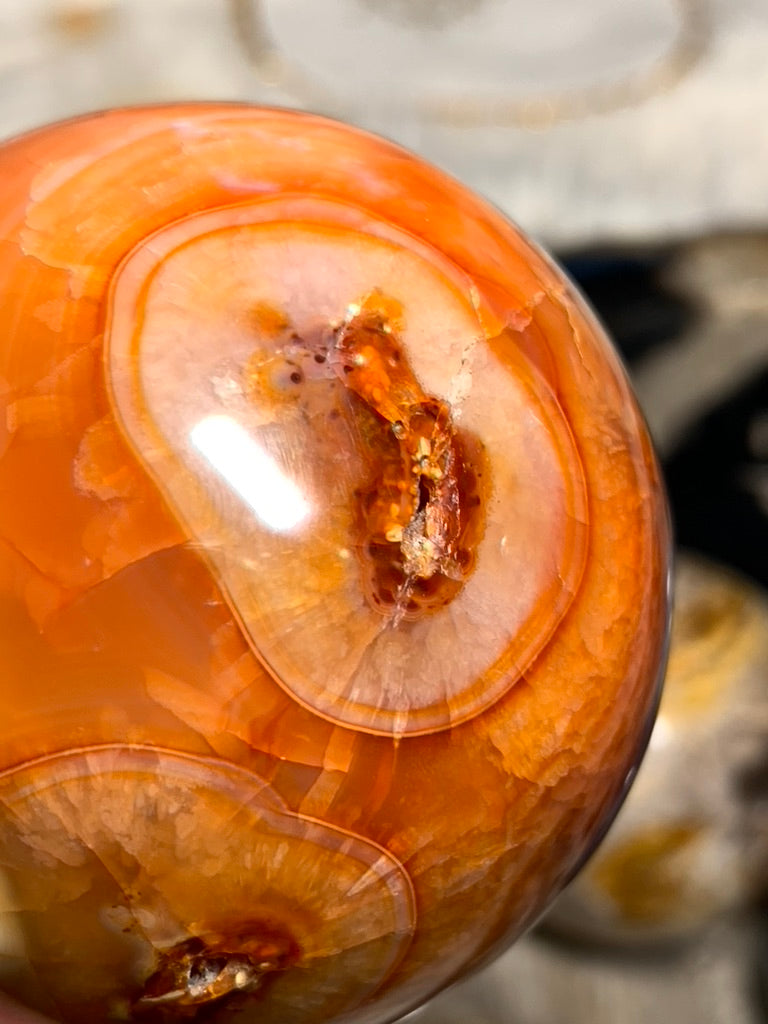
333 564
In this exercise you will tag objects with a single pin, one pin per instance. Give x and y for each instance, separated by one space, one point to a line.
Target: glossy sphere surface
332 570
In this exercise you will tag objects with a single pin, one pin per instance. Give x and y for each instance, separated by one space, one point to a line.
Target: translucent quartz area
333 563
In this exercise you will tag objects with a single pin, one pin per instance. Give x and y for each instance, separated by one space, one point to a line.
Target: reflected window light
251 472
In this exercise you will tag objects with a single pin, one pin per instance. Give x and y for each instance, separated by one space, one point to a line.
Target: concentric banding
267 478
95 841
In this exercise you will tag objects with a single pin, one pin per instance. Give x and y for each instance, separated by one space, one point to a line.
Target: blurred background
631 139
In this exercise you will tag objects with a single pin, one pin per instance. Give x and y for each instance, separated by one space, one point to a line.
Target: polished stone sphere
333 564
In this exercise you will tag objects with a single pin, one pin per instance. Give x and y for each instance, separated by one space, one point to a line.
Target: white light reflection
247 468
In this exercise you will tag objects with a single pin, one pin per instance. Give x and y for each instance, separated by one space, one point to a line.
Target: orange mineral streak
458 780
423 515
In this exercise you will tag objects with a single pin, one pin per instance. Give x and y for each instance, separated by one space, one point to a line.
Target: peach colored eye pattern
333 560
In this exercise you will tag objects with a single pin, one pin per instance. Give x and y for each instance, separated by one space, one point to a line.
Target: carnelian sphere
333 561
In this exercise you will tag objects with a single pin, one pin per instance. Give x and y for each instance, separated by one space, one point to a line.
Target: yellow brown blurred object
692 839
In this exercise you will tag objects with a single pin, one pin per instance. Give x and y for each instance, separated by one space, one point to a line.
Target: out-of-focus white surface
506 94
